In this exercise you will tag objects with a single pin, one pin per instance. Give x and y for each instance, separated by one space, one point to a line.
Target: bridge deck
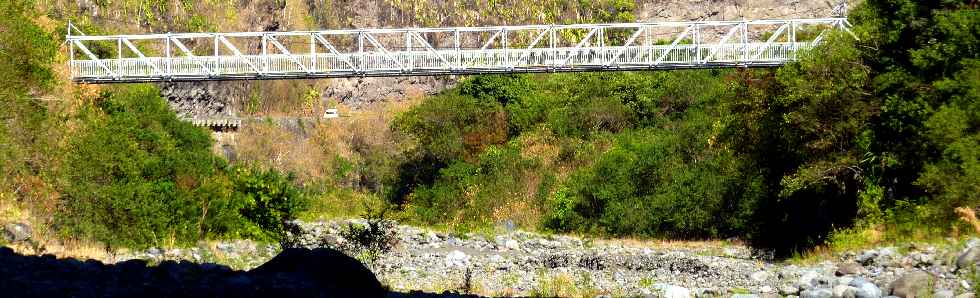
438 51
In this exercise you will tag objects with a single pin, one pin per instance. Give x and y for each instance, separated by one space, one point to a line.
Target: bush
269 199
647 184
138 176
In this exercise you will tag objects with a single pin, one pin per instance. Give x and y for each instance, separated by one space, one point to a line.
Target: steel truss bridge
443 51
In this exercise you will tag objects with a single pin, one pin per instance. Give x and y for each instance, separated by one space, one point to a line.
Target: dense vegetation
880 133
875 133
118 166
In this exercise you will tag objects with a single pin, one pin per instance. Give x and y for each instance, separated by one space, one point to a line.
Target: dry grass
969 216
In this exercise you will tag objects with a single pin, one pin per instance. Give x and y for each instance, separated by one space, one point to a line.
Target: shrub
649 184
138 176
269 199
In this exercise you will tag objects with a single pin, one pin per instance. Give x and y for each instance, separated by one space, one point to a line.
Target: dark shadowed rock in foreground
309 273
294 273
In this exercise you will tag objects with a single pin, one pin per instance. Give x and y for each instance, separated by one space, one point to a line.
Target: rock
765 289
911 284
672 291
317 273
867 257
865 289
808 279
817 293
844 291
943 294
787 290
744 296
457 259
760 276
849 268
512 244
16 232
968 258
966 295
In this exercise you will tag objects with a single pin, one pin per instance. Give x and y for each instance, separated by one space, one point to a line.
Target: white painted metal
407 52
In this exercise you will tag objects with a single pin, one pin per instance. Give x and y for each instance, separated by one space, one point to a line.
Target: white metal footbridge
443 51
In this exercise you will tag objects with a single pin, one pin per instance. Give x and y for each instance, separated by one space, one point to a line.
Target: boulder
849 268
844 291
943 294
966 295
457 259
760 276
787 290
912 284
321 272
865 288
968 258
672 291
16 232
817 293
867 257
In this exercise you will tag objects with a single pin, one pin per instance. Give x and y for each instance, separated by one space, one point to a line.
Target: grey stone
844 291
867 257
745 296
760 276
786 290
457 258
16 232
849 268
968 258
966 295
865 289
672 291
807 278
817 293
910 284
512 244
943 294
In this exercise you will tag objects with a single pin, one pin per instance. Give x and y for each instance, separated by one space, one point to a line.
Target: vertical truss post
170 68
265 53
792 37
697 43
313 52
503 43
459 57
360 50
408 49
552 40
745 41
119 56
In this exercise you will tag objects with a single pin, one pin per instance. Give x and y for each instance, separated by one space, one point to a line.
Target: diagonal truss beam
717 47
282 49
93 57
384 51
333 50
628 43
237 53
674 44
578 46
429 48
183 48
139 53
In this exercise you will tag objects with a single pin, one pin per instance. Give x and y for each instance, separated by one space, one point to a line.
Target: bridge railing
732 47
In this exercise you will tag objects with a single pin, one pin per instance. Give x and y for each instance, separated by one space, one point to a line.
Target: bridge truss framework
443 51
